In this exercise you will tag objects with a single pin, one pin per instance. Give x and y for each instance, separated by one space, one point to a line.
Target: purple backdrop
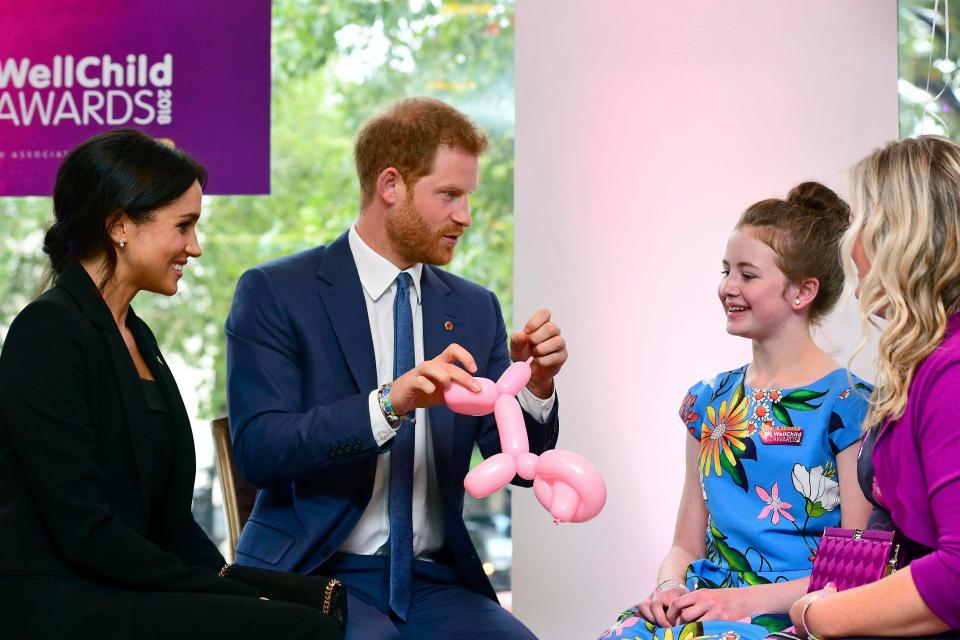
194 71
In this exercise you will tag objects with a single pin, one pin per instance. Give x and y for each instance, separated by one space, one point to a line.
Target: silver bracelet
671 583
803 618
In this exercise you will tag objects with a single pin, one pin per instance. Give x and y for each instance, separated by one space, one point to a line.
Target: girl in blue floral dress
771 458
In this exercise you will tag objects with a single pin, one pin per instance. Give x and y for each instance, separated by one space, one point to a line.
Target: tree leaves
462 57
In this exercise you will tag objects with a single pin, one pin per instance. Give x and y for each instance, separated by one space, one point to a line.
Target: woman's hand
800 606
712 604
654 609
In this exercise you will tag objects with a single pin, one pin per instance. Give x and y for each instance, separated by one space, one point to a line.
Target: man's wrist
394 419
541 391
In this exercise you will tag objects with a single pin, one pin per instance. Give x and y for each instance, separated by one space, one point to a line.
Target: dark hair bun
819 199
55 246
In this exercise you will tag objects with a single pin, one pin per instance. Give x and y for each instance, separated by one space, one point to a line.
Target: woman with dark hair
96 454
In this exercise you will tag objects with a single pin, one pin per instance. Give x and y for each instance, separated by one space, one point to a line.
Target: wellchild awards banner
195 72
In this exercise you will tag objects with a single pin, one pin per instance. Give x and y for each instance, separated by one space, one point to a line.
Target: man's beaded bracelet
394 419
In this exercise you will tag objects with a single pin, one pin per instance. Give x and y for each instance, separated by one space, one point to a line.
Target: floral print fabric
768 471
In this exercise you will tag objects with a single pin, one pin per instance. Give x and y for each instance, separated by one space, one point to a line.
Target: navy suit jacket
300 368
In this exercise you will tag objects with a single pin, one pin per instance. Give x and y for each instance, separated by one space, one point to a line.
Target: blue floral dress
768 470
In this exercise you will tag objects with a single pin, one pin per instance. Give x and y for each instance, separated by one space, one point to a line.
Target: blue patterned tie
401 461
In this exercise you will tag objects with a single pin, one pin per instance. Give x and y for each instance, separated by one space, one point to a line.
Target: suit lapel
79 285
342 296
442 319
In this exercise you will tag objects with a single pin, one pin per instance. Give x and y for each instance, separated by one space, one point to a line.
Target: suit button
331 454
355 446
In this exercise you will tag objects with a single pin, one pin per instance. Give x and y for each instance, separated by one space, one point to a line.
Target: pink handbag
853 557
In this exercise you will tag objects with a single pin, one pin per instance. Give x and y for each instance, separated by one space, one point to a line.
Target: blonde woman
905 242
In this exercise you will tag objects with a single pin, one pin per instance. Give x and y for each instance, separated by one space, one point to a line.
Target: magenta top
917 467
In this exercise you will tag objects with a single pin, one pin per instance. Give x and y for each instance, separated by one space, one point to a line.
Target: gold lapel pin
448 325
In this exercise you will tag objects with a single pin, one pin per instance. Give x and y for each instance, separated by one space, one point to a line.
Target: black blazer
72 505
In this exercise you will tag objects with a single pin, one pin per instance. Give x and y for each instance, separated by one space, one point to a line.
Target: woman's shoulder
704 392
942 361
54 313
722 383
845 381
842 395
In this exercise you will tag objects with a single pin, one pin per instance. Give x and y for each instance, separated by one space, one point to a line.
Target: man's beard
413 238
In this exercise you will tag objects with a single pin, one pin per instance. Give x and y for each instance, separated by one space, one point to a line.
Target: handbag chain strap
328 594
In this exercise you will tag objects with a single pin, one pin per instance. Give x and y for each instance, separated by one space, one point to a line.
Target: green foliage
334 65
919 79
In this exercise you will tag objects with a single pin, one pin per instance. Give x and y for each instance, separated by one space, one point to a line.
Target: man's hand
423 386
711 604
541 339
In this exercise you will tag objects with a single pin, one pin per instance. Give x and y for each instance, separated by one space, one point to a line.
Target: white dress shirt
371 535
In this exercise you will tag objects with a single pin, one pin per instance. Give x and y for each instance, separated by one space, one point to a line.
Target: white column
643 130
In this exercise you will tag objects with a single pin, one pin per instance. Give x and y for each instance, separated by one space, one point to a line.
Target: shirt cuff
538 408
382 431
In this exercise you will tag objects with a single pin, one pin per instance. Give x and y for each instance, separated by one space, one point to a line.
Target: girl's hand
711 604
655 608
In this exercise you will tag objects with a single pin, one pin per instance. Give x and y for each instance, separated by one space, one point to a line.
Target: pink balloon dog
565 483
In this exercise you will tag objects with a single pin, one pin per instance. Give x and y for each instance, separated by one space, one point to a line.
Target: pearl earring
797 301
123 243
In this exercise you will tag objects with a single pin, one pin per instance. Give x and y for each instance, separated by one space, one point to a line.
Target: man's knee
366 622
481 620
